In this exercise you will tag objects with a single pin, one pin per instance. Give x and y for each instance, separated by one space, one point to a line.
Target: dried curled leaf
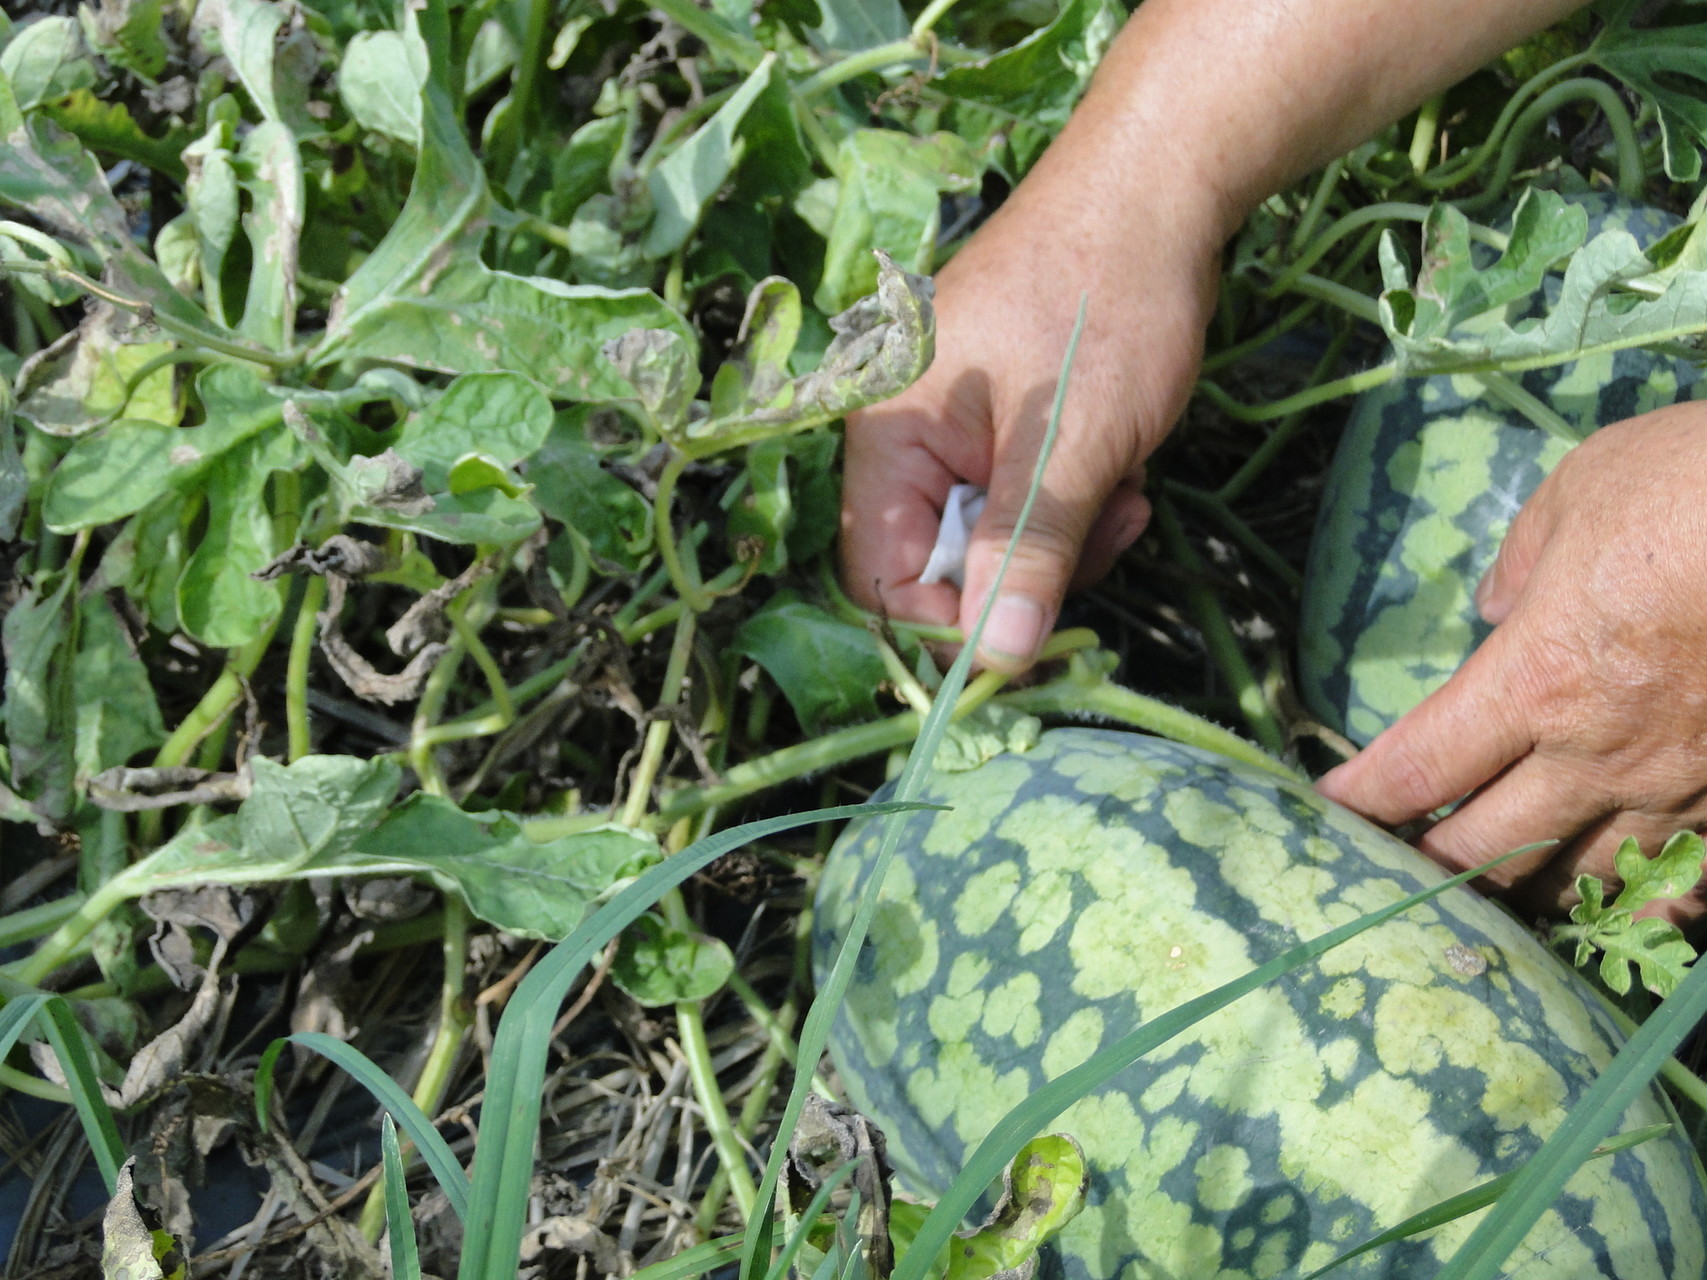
661 365
828 1136
882 344
129 1249
356 671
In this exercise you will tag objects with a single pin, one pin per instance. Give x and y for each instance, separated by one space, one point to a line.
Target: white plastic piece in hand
948 558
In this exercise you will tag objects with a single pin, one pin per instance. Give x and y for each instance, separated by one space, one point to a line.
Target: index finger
1459 737
893 490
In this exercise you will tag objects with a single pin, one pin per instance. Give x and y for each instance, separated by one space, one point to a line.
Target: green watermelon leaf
659 964
1607 301
120 469
686 180
1655 948
220 601
14 480
532 889
756 372
127 34
1670 873
39 638
571 487
381 79
763 512
852 25
117 714
425 298
829 670
110 127
889 197
501 416
1009 105
1662 64
46 61
269 168
662 368
1450 289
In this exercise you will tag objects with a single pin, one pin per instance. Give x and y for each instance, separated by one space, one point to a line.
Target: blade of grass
693 1262
399 1225
1538 1183
816 1031
1037 1112
503 1166
15 1017
388 1093
66 1037
1467 1202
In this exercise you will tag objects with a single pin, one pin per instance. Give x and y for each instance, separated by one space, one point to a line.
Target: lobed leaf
270 171
220 601
882 344
1596 308
117 714
1670 873
498 415
109 127
1663 65
849 26
571 487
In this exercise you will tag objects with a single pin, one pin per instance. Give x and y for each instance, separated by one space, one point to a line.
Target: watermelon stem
1350 385
1217 632
1116 702
1069 695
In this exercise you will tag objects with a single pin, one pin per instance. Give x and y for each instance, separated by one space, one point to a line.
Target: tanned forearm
1216 104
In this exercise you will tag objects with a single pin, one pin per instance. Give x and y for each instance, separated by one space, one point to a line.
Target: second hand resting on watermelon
1581 719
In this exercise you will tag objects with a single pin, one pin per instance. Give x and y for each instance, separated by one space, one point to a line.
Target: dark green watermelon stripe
922 929
1003 1142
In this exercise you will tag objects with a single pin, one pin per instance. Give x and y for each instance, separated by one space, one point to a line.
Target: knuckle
1413 783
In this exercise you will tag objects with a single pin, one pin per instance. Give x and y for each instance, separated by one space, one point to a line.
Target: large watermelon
1422 490
1102 878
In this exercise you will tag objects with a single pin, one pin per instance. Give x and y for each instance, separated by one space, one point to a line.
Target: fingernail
1014 631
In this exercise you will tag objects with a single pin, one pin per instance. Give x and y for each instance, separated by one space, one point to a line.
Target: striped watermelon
1102 878
1428 476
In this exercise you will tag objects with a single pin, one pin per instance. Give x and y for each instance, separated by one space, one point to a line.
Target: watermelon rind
1426 481
1101 878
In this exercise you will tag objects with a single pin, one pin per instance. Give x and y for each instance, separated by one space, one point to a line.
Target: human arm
1201 109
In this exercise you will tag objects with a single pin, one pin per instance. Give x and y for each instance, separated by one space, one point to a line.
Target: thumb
1498 592
1045 558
